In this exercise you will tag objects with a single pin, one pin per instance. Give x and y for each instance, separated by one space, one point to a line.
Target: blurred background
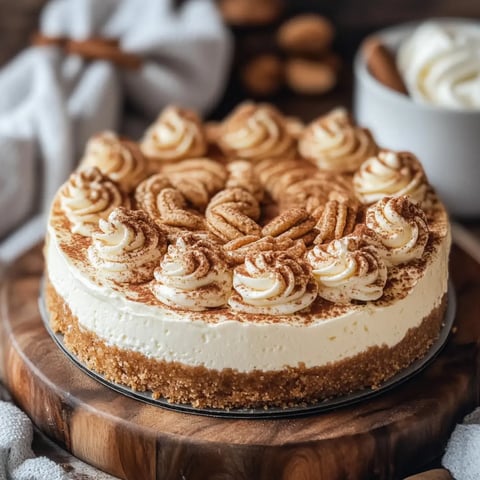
255 25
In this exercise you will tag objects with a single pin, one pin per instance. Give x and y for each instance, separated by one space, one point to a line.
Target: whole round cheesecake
254 262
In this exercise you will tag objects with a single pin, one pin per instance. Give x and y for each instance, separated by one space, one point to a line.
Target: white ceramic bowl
447 141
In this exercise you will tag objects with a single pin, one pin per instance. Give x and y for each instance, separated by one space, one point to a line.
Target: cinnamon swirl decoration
401 226
347 269
254 132
193 275
128 247
176 134
390 173
334 143
118 158
88 196
232 213
165 204
274 283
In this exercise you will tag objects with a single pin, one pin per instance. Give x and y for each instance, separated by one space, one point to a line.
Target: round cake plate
271 412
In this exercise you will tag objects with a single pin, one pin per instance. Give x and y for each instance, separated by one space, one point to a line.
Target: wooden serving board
391 436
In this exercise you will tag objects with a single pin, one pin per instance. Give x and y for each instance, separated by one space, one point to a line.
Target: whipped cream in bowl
439 119
440 64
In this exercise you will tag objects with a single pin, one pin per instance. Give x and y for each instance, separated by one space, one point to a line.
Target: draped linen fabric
51 101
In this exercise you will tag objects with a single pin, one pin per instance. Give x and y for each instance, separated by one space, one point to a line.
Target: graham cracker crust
228 388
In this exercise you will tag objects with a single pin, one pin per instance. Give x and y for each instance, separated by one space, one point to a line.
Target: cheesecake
242 264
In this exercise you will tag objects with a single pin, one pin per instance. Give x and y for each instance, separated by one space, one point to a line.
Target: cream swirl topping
120 159
128 248
390 173
347 270
194 274
273 283
176 134
254 132
440 64
402 228
88 196
334 143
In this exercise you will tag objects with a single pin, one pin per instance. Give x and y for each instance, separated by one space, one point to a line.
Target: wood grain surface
391 436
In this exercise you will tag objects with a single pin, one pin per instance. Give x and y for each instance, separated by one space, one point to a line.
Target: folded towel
53 99
17 460
462 454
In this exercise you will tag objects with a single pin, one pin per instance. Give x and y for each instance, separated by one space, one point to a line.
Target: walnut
250 12
308 34
309 77
263 75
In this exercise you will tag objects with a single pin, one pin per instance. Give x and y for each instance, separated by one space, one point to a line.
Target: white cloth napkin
51 102
462 454
17 460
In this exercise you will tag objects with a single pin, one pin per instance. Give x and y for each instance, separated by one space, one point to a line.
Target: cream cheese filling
168 335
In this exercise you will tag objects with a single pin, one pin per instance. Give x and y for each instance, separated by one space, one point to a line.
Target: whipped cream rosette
254 132
334 143
274 283
88 196
346 269
193 275
128 247
176 134
390 173
401 226
118 158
